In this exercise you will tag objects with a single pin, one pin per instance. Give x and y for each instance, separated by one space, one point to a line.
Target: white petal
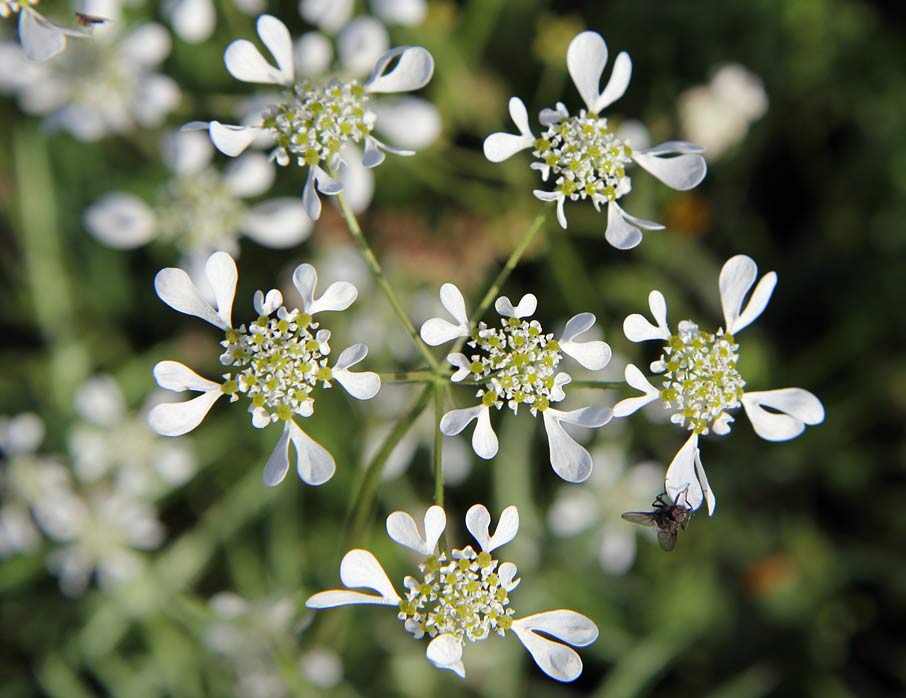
222 275
593 355
266 304
148 45
313 54
638 328
478 521
351 356
362 385
408 13
560 380
278 464
577 325
338 296
314 463
636 379
681 172
121 221
674 147
277 223
554 196
250 175
445 652
703 481
310 199
500 146
616 86
452 300
412 122
358 569
682 480
736 278
585 59
588 417
463 366
507 573
178 418
721 425
641 222
172 375
436 331
556 660
176 289
798 407
548 117
484 440
413 70
245 62
401 527
373 155
356 179
568 459
526 307
231 140
41 39
620 233
329 15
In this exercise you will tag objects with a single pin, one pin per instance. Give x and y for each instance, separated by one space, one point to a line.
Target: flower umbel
463 597
517 365
584 155
701 382
312 124
277 362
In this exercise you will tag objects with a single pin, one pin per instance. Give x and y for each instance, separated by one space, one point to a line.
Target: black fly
669 517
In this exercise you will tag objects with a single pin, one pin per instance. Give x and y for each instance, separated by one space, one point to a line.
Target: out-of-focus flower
718 115
701 381
201 210
194 20
599 503
586 158
247 633
41 38
517 365
463 597
112 443
100 87
311 125
277 362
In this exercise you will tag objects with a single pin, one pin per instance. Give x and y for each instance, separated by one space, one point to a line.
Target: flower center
464 597
700 376
315 122
587 158
199 209
278 362
517 364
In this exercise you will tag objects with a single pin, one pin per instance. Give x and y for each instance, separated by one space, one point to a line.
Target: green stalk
504 274
378 273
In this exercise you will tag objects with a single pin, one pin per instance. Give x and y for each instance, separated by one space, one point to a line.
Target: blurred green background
797 585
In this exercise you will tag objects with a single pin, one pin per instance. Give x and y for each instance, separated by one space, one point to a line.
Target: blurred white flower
587 159
277 362
312 124
100 87
600 502
701 382
246 633
463 597
194 20
201 210
718 115
41 38
112 443
517 365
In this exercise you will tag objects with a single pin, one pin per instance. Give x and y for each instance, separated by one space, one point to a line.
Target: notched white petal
525 308
681 480
278 464
401 527
231 140
314 463
681 171
620 233
178 418
586 58
484 440
445 652
359 569
501 146
736 278
413 70
555 659
793 409
478 521
636 379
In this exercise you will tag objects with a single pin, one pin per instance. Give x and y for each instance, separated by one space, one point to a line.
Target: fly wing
645 518
667 539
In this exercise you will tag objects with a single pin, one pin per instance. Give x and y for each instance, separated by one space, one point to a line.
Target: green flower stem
602 385
504 274
378 273
360 510
407 376
438 453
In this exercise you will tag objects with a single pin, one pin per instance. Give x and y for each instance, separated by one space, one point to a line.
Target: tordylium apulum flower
277 362
701 382
463 596
586 158
312 123
517 364
40 37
